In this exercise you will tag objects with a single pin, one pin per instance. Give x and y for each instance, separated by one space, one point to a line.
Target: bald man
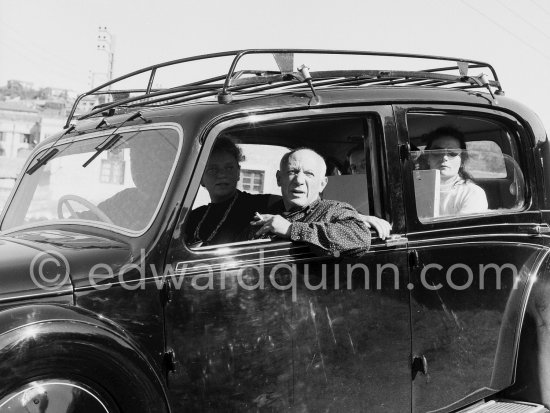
329 227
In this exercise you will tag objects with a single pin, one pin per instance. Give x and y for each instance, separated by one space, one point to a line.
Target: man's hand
381 226
274 224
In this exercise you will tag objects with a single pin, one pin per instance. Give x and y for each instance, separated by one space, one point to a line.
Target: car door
270 325
469 269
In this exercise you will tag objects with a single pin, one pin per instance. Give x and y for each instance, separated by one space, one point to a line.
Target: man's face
221 176
357 163
302 179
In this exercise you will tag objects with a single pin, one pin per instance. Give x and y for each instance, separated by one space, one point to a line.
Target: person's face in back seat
357 162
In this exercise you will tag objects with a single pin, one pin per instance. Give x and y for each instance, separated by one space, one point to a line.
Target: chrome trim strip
235 244
505 225
494 243
437 241
57 293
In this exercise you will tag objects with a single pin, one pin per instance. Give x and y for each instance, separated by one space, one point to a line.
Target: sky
54 42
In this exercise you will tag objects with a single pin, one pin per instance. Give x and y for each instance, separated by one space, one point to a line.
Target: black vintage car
106 305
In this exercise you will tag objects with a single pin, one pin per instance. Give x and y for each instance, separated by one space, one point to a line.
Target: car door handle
419 365
542 229
396 241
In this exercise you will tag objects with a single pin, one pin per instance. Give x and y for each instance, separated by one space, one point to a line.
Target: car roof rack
285 76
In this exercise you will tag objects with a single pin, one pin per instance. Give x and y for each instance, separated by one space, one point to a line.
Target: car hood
52 262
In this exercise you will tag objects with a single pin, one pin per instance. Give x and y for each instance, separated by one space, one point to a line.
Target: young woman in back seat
458 193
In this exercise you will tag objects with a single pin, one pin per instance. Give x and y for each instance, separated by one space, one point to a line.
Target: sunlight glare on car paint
252 119
223 251
30 332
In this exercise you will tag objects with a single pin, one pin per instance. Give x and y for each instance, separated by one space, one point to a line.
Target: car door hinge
419 364
166 292
414 260
404 151
170 360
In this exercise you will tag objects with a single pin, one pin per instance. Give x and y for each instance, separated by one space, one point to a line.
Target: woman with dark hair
230 210
458 193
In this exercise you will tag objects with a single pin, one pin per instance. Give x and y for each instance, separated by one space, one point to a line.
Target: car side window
463 166
342 141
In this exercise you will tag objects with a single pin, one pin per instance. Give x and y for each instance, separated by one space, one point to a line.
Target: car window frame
391 200
524 145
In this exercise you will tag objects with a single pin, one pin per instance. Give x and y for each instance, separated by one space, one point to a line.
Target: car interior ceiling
331 137
421 124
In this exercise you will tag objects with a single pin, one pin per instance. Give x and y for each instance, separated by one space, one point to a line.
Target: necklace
215 231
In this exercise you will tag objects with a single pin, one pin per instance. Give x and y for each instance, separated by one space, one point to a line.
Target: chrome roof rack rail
243 81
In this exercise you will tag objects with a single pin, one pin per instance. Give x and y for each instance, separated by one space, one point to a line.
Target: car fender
532 373
66 343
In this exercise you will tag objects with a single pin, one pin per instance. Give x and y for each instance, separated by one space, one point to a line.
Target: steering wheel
64 201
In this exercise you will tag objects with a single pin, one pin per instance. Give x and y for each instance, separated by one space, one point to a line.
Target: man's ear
324 183
278 176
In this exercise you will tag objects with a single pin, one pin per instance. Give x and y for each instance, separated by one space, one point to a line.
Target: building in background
27 117
19 129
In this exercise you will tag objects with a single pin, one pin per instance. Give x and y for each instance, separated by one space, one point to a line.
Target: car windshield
121 188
